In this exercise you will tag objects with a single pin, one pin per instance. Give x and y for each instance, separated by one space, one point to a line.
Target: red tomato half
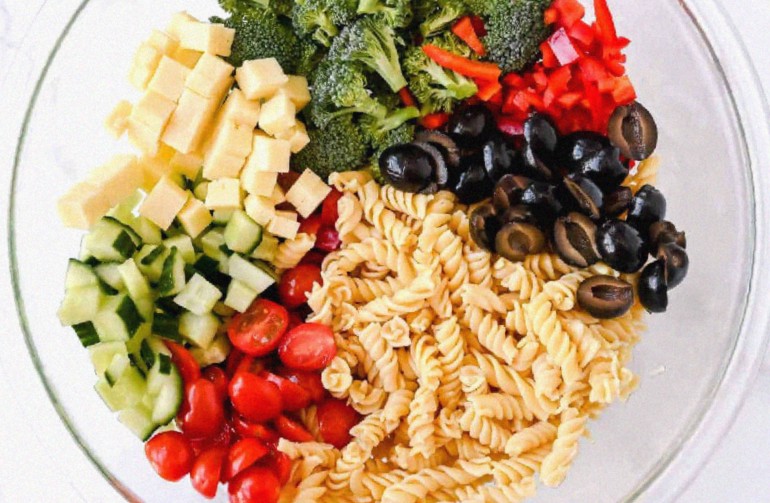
258 330
257 484
293 396
292 430
297 283
221 439
204 415
218 377
328 239
170 455
259 431
255 398
329 214
311 224
335 419
184 361
309 381
314 257
282 466
242 454
309 346
207 470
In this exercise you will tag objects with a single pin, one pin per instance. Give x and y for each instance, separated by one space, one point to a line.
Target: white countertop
29 471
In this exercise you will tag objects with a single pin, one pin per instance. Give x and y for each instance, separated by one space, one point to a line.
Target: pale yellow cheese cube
234 138
154 168
187 57
307 193
240 110
269 154
224 194
260 209
260 183
163 203
211 77
186 164
165 153
169 79
143 137
194 216
278 195
119 178
211 38
179 19
146 60
288 215
296 89
278 114
165 43
220 164
260 78
153 110
283 227
82 205
296 136
189 121
117 121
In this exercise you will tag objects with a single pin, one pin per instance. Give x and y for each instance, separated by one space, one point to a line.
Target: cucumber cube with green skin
200 330
198 295
242 234
80 305
118 319
172 278
250 274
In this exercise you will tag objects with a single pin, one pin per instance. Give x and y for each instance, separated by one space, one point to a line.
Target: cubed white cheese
143 137
187 57
278 114
163 203
269 154
260 183
278 195
223 194
235 139
165 153
211 77
189 121
174 27
240 110
186 164
220 164
165 43
288 215
153 110
260 209
194 216
82 205
146 60
154 168
117 121
296 136
169 79
307 193
297 90
260 78
211 38
283 227
119 178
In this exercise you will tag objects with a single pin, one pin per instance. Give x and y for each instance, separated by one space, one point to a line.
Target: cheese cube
260 78
165 43
297 91
82 206
220 164
296 136
277 115
211 38
234 138
269 154
174 27
169 79
117 121
194 216
288 215
187 57
165 153
260 183
153 110
188 165
146 60
223 194
239 110
278 195
211 77
189 121
307 193
154 169
119 178
143 137
163 203
283 227
260 209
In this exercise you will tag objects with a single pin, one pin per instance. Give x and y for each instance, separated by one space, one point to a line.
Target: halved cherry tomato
309 346
207 470
247 429
311 224
297 283
221 439
254 397
242 454
184 361
258 330
170 455
313 257
335 419
329 214
250 364
218 377
328 239
293 396
309 381
292 430
204 415
282 466
294 320
232 362
257 484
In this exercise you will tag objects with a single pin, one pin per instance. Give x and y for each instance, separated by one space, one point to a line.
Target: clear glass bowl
690 71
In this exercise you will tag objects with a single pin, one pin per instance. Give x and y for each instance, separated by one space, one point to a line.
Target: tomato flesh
292 430
184 361
254 397
217 377
258 330
242 454
329 213
257 484
297 283
282 466
259 431
170 455
335 419
311 224
207 470
293 396
309 346
309 381
204 415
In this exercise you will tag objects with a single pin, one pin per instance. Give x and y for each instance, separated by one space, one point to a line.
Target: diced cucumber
147 231
172 278
222 216
222 310
127 209
80 305
150 260
166 326
198 295
216 352
168 400
80 274
86 333
250 274
138 288
103 353
109 274
239 296
103 388
129 389
184 244
117 366
138 419
266 249
198 329
84 255
212 243
209 269
109 240
242 234
118 319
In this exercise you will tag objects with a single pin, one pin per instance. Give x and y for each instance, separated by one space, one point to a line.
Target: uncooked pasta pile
467 368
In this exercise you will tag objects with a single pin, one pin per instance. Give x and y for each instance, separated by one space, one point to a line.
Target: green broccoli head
339 146
310 54
312 19
241 6
261 34
515 30
371 43
402 134
395 13
282 7
340 88
377 130
436 15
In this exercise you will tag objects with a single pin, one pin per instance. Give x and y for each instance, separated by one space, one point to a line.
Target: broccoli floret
241 6
339 146
312 19
377 130
261 34
401 134
515 30
282 7
436 15
310 55
370 42
340 88
396 13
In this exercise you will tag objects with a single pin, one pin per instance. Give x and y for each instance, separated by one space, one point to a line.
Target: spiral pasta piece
451 353
547 266
396 331
548 328
555 465
414 205
365 398
337 378
350 212
326 453
547 377
479 265
500 406
540 433
490 334
349 181
645 173
485 430
482 298
421 422
473 381
523 282
404 301
383 219
415 487
385 360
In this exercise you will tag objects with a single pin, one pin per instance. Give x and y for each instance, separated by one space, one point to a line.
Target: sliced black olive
471 125
499 158
443 142
518 213
484 226
663 231
507 193
473 185
676 261
647 207
536 165
633 130
617 201
540 133
516 240
407 167
591 154
586 195
574 148
575 240
541 197
432 188
652 287
621 246
440 173
605 297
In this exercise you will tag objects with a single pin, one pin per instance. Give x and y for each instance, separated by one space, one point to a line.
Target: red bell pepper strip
461 65
570 12
488 89
582 32
435 120
478 26
624 92
550 16
604 23
562 47
465 32
406 97
549 58
514 80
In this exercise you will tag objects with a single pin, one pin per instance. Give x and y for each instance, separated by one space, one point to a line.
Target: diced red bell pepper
624 92
514 80
487 89
434 120
550 16
549 58
569 100
569 11
464 30
510 126
558 81
562 47
478 26
407 98
582 32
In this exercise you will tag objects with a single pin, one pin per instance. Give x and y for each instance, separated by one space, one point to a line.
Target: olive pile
562 192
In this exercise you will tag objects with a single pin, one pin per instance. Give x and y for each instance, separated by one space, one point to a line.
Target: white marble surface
29 472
